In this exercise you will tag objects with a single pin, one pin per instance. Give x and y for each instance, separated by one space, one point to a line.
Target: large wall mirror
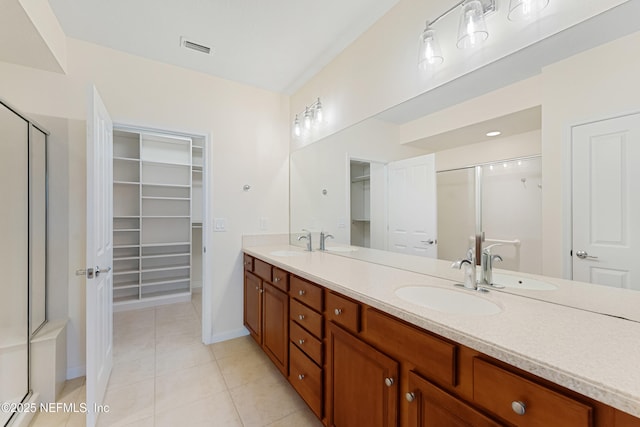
396 190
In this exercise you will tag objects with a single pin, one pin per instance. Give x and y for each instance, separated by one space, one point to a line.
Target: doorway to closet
157 217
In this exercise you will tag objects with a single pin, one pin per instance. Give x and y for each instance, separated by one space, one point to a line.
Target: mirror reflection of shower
510 201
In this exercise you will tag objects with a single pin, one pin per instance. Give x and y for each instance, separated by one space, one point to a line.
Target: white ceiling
275 45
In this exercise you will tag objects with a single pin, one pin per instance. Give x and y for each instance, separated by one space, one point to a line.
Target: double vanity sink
563 345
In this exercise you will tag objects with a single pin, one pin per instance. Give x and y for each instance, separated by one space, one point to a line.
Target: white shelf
155 245
166 163
360 178
116 230
123 273
175 267
166 198
125 246
166 216
158 184
126 258
167 255
126 182
125 216
127 159
132 286
158 282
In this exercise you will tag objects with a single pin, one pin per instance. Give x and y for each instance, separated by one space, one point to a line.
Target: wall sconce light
472 28
311 116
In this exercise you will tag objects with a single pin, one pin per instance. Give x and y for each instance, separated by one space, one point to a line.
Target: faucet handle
487 249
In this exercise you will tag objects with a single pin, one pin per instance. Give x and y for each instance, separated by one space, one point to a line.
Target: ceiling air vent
188 44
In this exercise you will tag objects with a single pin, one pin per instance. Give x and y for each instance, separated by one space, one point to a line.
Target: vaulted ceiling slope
275 45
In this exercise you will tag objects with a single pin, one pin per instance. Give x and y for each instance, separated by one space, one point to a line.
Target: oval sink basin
448 300
515 282
341 249
287 253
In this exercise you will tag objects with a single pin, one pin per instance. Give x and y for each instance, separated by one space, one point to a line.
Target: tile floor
164 376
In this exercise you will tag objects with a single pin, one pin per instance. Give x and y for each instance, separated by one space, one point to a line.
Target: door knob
585 255
105 270
429 242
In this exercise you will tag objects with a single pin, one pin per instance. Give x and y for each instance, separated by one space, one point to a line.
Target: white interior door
99 303
606 202
412 206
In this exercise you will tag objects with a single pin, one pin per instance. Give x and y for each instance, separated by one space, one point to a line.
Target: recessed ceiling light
494 133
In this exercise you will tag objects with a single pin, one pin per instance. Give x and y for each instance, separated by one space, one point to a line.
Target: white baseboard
76 372
225 336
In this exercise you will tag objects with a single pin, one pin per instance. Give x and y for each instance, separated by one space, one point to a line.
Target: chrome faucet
308 238
323 238
486 263
470 270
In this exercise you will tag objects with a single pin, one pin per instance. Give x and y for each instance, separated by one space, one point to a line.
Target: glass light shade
522 10
430 53
297 130
307 118
318 115
472 29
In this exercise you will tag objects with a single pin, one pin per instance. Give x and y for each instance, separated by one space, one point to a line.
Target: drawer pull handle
301 377
300 342
519 407
276 279
257 288
389 382
338 311
410 397
301 292
247 263
301 316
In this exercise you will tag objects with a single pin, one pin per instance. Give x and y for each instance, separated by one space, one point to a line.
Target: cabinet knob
301 292
388 382
410 397
519 407
257 288
276 279
301 316
300 341
301 377
338 311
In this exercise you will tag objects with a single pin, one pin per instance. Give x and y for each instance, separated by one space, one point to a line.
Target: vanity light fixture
472 28
522 10
311 115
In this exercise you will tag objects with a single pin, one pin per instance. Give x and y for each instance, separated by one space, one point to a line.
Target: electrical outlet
264 223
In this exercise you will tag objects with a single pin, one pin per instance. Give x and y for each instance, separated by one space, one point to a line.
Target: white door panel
99 300
606 201
412 206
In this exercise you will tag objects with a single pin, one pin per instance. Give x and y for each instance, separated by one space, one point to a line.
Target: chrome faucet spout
323 239
307 237
470 269
486 263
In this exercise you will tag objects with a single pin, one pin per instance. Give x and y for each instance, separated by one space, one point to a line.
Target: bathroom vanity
359 354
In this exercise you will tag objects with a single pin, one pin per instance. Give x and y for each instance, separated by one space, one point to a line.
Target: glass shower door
14 256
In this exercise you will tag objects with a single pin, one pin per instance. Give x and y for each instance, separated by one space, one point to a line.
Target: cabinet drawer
262 269
498 390
305 317
306 292
306 342
280 279
306 378
434 357
343 311
248 262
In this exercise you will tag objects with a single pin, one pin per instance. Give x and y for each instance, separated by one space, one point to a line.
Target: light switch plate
264 223
219 224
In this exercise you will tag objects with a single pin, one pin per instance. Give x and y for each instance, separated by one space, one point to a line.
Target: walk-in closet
157 217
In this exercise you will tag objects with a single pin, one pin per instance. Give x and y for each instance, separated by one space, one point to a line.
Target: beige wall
248 131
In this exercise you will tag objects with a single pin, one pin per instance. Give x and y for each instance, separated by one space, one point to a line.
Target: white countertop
592 354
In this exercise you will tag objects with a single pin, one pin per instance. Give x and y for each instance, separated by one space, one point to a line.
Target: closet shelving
152 218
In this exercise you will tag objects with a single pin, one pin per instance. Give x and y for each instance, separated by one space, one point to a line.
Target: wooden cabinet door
275 326
431 406
253 306
363 382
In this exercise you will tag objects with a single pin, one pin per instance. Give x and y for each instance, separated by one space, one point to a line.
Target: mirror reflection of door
412 206
606 202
